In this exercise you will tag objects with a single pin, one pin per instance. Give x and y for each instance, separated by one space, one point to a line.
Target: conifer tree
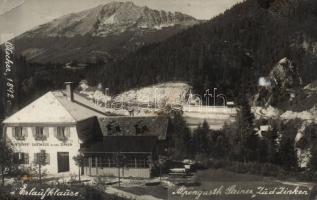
287 155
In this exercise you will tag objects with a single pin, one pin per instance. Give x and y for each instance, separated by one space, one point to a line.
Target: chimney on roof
69 91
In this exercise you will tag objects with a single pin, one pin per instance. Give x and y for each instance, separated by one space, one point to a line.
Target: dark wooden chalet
129 148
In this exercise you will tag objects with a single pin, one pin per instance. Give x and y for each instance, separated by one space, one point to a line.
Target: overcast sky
18 16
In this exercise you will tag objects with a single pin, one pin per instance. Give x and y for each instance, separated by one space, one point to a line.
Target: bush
263 169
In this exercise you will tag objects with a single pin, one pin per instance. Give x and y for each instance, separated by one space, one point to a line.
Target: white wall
52 145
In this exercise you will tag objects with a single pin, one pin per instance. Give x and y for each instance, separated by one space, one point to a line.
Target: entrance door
63 161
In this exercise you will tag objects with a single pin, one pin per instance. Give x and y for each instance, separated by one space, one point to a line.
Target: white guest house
54 125
61 124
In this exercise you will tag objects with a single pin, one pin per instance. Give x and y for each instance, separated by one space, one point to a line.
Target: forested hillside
230 51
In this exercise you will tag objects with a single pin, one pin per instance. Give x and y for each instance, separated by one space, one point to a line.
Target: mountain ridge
121 27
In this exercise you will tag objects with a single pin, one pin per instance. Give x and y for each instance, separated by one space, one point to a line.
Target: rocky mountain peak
112 18
123 16
101 34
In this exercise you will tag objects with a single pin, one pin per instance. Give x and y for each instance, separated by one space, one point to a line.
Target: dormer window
39 133
19 133
113 128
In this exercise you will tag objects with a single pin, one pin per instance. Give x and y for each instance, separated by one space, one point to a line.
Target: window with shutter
24 132
36 158
67 132
46 133
13 132
26 158
42 158
21 158
47 158
18 133
39 133
63 133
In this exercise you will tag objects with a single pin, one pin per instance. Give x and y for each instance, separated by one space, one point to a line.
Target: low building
125 156
130 146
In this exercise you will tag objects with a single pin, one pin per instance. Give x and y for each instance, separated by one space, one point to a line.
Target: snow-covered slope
159 94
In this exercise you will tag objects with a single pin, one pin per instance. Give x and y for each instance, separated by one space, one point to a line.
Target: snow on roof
53 107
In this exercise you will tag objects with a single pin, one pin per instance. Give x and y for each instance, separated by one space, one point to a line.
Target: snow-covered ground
151 100
266 113
146 101
273 113
158 94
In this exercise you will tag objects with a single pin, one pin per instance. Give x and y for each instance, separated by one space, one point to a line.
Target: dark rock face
284 80
285 75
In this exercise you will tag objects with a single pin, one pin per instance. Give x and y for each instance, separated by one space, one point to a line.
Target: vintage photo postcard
158 99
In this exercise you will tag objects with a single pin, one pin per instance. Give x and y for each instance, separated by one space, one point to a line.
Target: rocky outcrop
280 85
285 76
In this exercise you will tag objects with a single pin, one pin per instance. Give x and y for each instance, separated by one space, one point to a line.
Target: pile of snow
159 94
146 101
159 27
109 20
272 113
304 115
96 94
265 112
